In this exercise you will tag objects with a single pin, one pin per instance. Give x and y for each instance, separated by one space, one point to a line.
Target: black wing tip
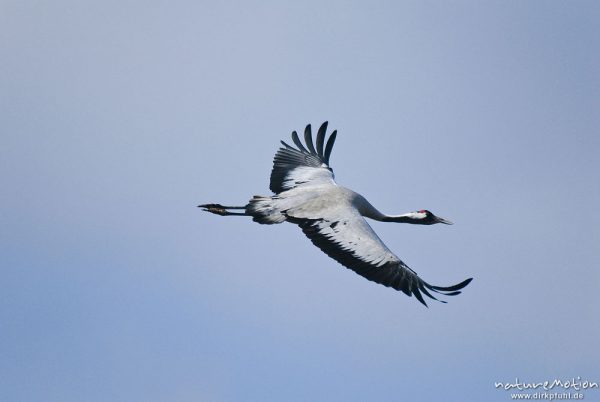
329 146
286 145
321 140
446 291
465 282
298 143
419 297
308 140
309 147
453 288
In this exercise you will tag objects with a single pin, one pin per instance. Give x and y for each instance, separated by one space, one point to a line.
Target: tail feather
263 210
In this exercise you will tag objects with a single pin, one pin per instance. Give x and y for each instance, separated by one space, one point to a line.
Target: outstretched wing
303 166
348 239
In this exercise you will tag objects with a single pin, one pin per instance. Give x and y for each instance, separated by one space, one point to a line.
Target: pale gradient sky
119 117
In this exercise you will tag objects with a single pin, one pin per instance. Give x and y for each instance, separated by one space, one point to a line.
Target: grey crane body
333 217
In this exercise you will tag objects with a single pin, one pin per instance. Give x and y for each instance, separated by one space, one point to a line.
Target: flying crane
333 217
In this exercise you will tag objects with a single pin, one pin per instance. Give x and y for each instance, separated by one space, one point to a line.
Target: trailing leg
222 210
262 209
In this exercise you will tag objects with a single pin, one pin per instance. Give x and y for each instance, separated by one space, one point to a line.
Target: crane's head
425 217
422 217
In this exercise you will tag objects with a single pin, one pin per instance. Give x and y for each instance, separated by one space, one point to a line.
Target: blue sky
118 118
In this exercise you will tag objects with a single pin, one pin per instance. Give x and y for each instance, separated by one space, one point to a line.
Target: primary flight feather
333 217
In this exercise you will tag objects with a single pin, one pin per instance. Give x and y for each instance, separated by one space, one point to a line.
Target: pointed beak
442 220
